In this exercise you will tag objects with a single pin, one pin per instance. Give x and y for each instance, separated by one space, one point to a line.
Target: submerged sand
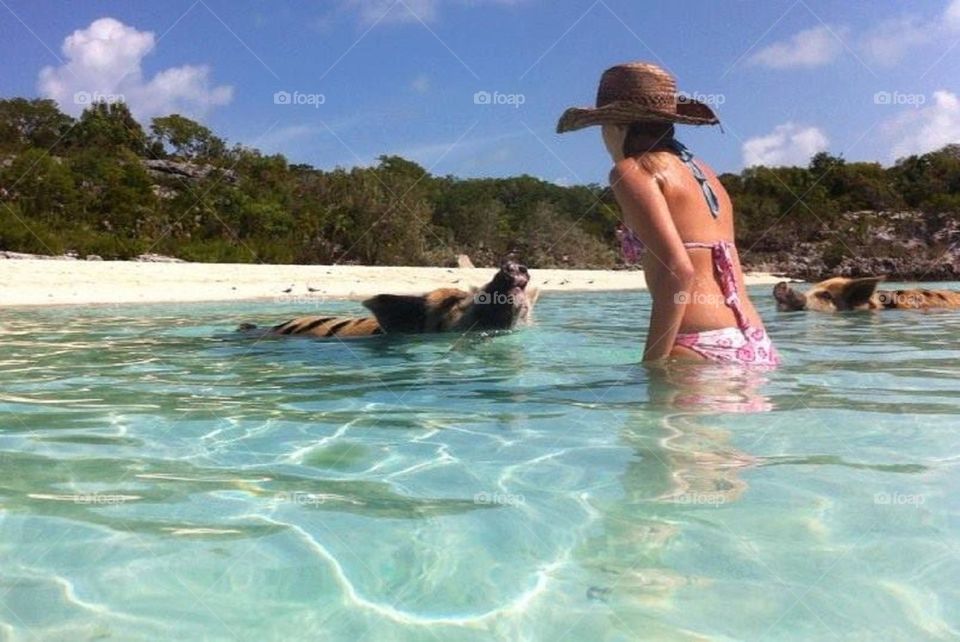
47 282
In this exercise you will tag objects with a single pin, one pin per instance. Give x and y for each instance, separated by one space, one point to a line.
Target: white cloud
787 144
809 48
885 43
951 16
918 131
889 42
373 11
104 60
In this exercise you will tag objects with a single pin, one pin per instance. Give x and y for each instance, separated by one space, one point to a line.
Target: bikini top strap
721 253
687 157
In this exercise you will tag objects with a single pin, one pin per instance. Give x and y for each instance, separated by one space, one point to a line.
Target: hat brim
689 112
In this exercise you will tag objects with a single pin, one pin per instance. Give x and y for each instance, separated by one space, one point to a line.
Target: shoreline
33 282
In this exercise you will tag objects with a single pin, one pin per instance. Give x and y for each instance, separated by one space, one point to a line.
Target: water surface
163 480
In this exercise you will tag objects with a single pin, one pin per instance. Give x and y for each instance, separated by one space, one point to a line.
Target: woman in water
675 207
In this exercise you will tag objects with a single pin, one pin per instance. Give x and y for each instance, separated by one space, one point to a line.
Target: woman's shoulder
632 172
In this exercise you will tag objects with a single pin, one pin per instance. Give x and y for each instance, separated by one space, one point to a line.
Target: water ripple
164 477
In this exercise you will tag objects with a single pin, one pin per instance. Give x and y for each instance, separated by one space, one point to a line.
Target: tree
117 193
40 184
553 239
187 138
83 185
927 178
31 123
110 128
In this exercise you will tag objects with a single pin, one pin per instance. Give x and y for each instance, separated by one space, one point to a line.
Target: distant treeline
103 185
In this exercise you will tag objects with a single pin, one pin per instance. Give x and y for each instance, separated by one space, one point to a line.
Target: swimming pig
499 305
842 293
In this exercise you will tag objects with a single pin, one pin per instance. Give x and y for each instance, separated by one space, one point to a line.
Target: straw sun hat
637 91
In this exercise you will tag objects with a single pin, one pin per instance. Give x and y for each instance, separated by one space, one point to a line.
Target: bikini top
631 245
721 251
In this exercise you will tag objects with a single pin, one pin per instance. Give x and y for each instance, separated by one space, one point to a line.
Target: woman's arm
646 213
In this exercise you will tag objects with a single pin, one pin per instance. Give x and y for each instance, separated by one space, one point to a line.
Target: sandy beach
64 282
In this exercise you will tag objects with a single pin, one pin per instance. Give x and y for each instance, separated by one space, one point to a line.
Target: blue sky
788 77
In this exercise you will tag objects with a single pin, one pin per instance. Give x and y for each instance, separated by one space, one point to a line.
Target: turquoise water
162 480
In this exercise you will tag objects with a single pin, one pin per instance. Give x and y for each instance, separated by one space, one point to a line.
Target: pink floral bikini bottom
748 345
744 343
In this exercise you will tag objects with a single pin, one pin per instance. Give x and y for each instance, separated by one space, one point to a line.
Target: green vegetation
103 185
772 217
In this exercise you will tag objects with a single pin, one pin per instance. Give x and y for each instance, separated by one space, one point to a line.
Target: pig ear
397 313
858 291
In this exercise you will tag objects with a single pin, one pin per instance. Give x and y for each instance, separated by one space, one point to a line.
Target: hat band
652 100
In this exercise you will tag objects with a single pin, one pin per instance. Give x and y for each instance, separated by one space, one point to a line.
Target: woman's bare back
691 215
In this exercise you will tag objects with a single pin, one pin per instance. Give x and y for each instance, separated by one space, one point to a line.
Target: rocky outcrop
157 258
167 168
73 256
904 246
43 257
